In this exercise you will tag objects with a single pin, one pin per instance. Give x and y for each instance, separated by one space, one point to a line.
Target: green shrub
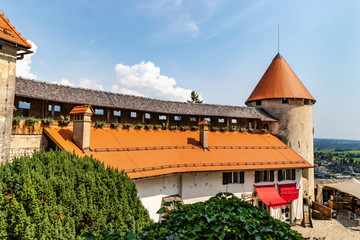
16 120
139 126
221 217
31 121
264 130
157 126
57 195
48 120
224 129
115 125
100 124
127 125
243 129
233 128
173 127
251 130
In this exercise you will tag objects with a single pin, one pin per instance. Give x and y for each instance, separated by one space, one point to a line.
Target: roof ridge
122 94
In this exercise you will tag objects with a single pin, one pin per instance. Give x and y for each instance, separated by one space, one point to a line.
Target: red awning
288 191
270 196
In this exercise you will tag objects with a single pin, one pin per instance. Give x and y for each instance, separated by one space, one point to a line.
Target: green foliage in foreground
223 216
56 195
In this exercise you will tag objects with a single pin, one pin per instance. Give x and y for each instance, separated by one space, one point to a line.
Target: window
258 102
306 101
24 105
192 119
234 120
147 115
221 120
117 113
162 117
57 108
233 177
207 119
177 118
264 176
285 100
266 126
99 111
133 114
286 174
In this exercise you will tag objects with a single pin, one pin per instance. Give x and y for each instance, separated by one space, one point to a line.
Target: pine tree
194 98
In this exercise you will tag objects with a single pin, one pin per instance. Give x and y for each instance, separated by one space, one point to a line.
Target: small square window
117 113
192 119
177 118
207 119
258 102
147 115
162 117
24 105
306 101
233 120
285 100
133 114
99 111
221 120
57 108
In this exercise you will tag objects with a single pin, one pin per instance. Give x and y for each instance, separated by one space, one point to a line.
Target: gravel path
334 229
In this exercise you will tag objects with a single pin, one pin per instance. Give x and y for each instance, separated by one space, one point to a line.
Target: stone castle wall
26 145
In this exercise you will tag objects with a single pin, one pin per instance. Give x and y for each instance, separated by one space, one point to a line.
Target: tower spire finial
278 38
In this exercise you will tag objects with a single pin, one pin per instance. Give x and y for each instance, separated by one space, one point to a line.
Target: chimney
81 126
204 130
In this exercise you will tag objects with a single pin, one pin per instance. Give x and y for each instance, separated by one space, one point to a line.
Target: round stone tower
281 93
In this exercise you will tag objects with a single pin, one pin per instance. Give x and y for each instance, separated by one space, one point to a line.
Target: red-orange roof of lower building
144 154
9 33
279 81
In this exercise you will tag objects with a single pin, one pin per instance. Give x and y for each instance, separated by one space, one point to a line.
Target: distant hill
324 143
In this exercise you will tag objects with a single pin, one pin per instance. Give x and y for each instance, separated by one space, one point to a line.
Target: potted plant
233 128
223 129
30 121
173 128
139 126
184 128
251 130
115 125
214 129
149 126
16 120
264 130
48 120
100 124
64 119
157 126
195 128
127 125
242 129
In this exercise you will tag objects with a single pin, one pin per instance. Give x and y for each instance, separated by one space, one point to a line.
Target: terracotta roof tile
81 109
9 33
279 81
181 151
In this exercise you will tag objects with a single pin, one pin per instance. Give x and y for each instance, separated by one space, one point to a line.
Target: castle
263 153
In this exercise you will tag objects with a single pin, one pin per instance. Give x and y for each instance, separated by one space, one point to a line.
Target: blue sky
219 48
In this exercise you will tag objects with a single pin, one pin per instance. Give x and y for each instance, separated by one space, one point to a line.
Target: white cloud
90 83
23 67
145 79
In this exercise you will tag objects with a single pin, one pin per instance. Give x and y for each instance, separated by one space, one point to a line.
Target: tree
223 216
194 98
57 195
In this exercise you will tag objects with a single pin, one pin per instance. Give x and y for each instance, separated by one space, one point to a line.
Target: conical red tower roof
279 81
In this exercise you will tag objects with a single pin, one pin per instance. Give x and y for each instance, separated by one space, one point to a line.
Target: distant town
336 158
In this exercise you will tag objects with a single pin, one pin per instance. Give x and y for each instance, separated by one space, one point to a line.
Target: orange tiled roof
279 81
9 33
81 109
144 154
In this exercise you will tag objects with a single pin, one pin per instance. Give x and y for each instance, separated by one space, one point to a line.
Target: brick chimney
204 131
81 126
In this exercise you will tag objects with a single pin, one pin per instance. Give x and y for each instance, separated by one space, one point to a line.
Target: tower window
258 102
0 46
306 101
285 100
